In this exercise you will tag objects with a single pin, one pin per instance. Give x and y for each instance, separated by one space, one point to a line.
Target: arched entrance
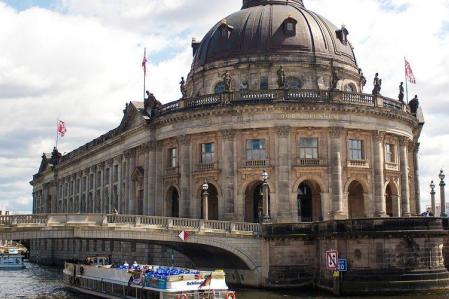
356 202
309 202
212 203
172 203
391 200
254 202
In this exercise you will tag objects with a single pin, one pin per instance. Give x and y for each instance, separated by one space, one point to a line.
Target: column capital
228 134
336 132
404 141
379 136
184 139
283 131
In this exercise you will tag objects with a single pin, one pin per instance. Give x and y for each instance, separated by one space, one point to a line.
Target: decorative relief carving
404 141
184 139
119 159
109 162
379 136
228 134
283 131
336 132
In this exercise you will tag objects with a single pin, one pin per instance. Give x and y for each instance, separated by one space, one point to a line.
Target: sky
79 61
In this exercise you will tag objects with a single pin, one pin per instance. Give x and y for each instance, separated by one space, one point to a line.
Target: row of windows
308 149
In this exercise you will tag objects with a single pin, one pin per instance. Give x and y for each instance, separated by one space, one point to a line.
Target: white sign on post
332 259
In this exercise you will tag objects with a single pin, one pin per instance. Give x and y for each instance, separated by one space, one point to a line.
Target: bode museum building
272 87
278 124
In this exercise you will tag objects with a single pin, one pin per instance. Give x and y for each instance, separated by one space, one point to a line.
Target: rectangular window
389 153
172 155
255 150
264 83
355 150
308 148
207 153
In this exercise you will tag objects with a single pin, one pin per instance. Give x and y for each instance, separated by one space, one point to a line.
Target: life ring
182 296
230 295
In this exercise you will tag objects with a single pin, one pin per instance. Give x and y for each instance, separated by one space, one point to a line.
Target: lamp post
266 204
442 197
205 200
432 196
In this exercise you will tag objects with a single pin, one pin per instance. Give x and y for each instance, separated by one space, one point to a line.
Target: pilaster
379 190
336 134
405 186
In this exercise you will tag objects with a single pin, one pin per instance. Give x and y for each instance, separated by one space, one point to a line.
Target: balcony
170 171
392 166
312 163
204 167
358 164
256 163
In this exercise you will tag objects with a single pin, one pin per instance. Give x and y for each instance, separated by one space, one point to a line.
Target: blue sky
79 60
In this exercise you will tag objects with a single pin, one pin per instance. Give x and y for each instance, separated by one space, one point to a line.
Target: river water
38 282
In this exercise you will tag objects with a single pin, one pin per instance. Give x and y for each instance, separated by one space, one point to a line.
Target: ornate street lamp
266 207
432 196
442 197
205 200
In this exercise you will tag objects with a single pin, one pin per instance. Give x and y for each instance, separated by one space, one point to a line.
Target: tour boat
97 278
11 260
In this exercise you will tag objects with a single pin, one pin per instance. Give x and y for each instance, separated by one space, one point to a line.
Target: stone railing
263 96
311 162
154 222
256 163
206 167
358 163
391 166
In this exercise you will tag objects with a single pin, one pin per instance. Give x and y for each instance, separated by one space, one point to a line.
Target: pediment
133 116
137 174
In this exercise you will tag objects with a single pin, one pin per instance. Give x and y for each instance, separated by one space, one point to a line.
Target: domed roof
275 27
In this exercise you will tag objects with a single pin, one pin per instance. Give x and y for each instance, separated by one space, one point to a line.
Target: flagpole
57 133
144 72
406 80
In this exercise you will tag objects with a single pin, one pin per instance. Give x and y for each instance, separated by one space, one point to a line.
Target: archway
391 200
254 202
356 201
212 203
309 202
172 203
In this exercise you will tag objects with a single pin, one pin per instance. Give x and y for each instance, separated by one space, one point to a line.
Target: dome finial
251 3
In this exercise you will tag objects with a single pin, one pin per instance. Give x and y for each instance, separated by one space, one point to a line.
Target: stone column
119 161
432 197
405 186
102 184
146 167
379 160
417 187
285 211
337 212
94 191
131 184
151 183
159 196
185 175
111 186
442 194
227 169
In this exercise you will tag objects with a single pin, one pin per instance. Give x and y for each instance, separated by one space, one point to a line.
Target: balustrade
358 163
312 162
392 166
206 167
256 163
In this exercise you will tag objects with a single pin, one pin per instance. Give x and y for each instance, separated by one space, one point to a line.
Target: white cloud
81 63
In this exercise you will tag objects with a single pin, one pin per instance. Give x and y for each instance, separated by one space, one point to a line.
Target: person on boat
126 265
135 264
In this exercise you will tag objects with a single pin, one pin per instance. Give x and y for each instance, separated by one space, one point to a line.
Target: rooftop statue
414 105
227 81
183 88
377 85
151 103
334 80
281 78
362 80
401 92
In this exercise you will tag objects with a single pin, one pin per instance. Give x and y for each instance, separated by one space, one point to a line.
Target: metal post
432 196
442 197
205 201
266 203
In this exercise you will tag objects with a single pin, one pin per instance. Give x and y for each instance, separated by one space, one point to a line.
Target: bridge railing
55 220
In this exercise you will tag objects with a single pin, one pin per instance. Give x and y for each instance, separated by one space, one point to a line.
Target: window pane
255 149
263 83
308 148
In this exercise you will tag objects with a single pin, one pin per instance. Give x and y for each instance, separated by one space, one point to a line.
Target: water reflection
38 282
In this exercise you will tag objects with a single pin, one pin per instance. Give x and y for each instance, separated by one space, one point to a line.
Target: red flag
144 62
409 73
61 128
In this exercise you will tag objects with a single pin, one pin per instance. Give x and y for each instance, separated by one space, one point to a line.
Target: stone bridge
230 245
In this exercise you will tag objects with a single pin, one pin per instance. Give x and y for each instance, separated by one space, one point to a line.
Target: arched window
219 87
350 88
293 83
